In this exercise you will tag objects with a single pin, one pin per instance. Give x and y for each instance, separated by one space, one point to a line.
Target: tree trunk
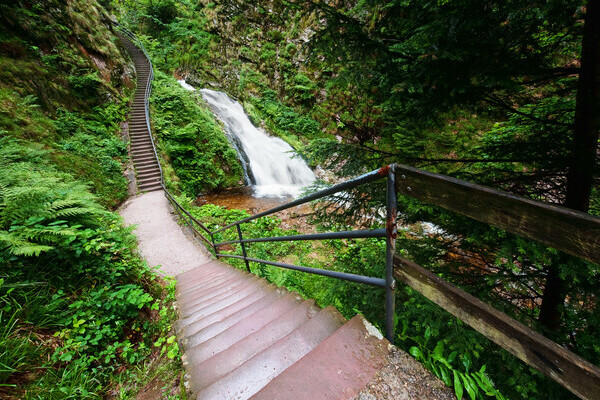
580 177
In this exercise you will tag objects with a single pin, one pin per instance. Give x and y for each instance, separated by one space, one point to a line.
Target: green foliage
16 352
72 105
190 137
39 208
49 45
70 269
479 91
282 120
92 150
77 304
85 86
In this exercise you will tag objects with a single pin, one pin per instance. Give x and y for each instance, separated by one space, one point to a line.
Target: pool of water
244 199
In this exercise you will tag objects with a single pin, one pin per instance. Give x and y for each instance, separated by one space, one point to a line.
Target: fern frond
20 247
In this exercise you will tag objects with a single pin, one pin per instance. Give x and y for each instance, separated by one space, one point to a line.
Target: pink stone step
223 300
253 375
248 341
201 274
190 296
208 281
205 295
213 265
272 302
213 299
359 352
188 328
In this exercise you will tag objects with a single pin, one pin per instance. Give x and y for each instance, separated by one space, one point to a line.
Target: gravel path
162 242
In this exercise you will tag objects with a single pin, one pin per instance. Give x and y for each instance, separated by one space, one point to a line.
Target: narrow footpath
245 338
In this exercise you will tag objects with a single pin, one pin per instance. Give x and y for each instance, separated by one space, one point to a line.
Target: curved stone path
162 242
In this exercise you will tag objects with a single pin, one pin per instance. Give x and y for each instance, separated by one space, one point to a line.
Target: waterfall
272 167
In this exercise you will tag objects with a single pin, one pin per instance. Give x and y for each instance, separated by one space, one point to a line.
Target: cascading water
272 167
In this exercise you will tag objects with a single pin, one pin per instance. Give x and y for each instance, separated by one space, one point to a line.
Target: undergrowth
191 139
78 306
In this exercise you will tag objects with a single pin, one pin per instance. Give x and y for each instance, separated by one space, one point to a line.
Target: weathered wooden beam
571 231
568 369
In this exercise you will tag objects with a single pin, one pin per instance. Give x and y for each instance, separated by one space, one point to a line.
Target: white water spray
273 167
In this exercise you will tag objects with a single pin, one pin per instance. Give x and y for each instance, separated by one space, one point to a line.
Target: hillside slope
81 315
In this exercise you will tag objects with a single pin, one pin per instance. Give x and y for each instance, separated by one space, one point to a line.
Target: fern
20 247
40 208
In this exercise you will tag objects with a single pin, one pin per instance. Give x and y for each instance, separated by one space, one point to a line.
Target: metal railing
570 231
389 233
147 91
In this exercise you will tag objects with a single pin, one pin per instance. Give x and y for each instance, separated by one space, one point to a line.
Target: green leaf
427 333
416 353
444 375
438 352
452 356
458 387
470 386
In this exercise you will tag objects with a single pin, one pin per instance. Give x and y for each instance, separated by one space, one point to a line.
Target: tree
584 151
516 62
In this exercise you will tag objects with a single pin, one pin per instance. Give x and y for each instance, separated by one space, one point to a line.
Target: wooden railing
571 231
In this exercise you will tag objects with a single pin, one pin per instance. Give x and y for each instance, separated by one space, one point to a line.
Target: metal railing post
212 237
239 230
391 233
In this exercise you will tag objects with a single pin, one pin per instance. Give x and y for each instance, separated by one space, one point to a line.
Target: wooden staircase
141 150
244 338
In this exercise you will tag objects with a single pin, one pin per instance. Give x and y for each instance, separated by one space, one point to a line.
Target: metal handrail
147 92
389 233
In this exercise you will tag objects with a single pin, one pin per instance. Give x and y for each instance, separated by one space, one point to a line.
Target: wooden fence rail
571 231
573 372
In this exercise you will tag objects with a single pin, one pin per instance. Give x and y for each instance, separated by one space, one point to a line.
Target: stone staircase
244 338
141 150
